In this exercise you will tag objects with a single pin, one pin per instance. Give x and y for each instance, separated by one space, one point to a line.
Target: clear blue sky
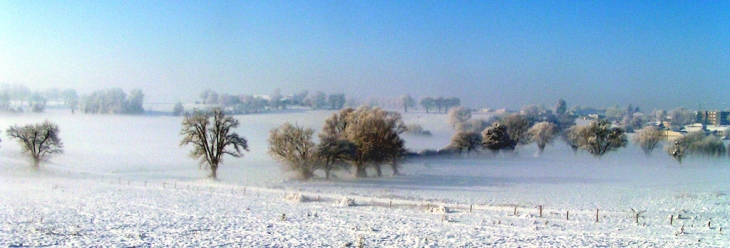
653 54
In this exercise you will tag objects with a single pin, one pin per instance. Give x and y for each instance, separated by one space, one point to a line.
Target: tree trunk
214 172
36 164
394 166
327 174
379 170
360 171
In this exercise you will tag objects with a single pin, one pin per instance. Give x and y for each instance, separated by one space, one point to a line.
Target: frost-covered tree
178 109
517 126
468 141
374 133
134 102
211 135
209 96
336 101
458 115
293 146
407 102
660 115
647 138
697 143
40 140
542 133
599 137
472 125
317 100
497 138
275 100
70 99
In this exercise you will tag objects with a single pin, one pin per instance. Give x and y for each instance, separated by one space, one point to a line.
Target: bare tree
407 101
40 140
427 103
660 115
472 125
468 141
542 133
648 137
458 115
211 140
293 146
517 126
680 116
599 137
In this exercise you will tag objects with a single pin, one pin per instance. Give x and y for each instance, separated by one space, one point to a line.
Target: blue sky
498 54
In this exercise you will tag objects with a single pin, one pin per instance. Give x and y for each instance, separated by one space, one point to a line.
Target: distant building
717 118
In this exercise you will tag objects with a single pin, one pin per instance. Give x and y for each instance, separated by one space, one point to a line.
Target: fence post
470 207
540 211
567 214
596 215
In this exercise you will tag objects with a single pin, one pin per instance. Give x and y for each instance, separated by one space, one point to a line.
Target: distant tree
648 137
212 140
497 138
135 102
40 140
573 135
333 152
458 115
468 141
439 102
560 108
634 123
407 101
533 112
542 133
416 129
293 146
209 96
275 100
660 115
317 100
298 99
37 102
517 126
451 102
599 137
472 125
427 103
70 99
336 101
615 113
680 116
178 109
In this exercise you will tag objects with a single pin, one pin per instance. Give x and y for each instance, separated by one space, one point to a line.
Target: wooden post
470 207
671 219
596 215
540 211
567 215
390 204
708 223
317 198
515 211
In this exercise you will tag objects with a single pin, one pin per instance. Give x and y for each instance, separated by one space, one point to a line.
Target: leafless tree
293 146
427 103
517 126
468 141
458 115
212 139
542 133
40 140
407 101
599 137
648 137
681 116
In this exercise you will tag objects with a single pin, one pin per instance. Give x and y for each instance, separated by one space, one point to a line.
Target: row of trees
36 100
243 103
352 138
439 103
113 101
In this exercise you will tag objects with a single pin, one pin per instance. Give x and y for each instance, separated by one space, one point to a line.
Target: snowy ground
124 181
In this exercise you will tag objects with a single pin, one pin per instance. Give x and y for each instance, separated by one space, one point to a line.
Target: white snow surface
124 181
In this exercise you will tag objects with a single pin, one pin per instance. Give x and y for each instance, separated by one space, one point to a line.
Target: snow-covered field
124 181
